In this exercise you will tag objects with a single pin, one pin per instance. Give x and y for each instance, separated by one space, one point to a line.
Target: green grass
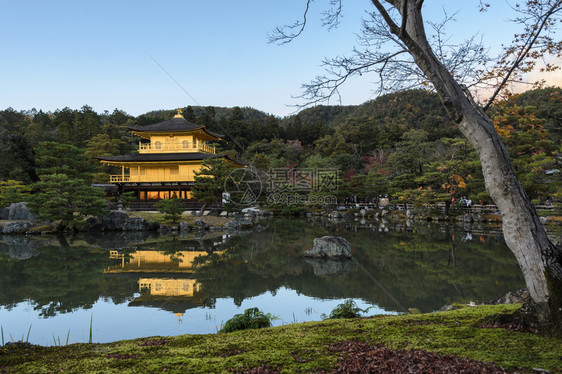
298 347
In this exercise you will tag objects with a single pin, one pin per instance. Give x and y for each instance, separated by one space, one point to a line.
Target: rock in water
329 247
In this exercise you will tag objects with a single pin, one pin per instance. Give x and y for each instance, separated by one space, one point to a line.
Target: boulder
334 247
164 229
135 224
239 223
233 224
513 297
19 211
92 224
114 221
16 227
334 214
201 225
184 226
246 224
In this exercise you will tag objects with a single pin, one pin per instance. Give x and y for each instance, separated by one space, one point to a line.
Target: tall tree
450 69
209 181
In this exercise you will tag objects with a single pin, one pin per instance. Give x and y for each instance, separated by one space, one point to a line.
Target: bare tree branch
331 17
323 88
285 34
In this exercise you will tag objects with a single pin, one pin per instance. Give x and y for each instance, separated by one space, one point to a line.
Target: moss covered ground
297 347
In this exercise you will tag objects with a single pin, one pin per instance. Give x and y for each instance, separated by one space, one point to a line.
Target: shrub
172 208
347 309
252 318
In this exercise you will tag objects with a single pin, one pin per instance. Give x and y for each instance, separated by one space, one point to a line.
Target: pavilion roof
163 157
176 124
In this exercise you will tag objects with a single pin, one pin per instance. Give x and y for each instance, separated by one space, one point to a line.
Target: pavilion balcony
173 148
119 178
144 178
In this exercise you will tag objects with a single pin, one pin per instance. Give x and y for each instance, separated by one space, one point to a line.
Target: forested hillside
401 144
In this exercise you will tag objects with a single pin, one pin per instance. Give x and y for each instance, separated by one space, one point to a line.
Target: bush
252 318
172 208
348 309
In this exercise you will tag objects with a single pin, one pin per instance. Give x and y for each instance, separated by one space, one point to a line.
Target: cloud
552 78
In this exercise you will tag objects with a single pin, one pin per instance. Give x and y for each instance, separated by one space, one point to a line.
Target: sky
135 55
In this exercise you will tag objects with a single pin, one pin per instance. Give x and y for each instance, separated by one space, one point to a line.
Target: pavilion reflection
166 272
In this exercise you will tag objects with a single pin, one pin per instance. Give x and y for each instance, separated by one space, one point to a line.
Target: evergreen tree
210 180
65 200
57 158
172 208
12 191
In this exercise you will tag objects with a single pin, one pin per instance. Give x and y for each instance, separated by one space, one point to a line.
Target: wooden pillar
123 173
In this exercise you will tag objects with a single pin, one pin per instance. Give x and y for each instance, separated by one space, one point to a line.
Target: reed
91 322
28 332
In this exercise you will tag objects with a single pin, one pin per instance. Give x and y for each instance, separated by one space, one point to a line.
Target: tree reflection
397 266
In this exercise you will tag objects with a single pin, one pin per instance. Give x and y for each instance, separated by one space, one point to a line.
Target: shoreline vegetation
127 220
464 338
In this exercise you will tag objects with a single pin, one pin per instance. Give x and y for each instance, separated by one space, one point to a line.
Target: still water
130 285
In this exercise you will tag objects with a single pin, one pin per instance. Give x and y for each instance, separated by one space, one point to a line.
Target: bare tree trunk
202 210
539 259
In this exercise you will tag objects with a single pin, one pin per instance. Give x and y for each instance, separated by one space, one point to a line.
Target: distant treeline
394 145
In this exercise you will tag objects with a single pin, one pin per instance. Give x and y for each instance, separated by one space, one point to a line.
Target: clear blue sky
70 53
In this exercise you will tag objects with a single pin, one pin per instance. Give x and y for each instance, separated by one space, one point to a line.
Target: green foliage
276 153
347 309
67 159
401 141
548 105
531 149
420 196
57 197
126 197
210 179
12 191
172 208
252 318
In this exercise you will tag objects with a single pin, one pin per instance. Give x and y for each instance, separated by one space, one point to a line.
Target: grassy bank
305 347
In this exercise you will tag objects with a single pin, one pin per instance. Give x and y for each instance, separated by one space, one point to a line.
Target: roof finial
179 114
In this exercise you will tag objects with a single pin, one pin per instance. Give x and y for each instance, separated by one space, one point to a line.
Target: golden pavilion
167 160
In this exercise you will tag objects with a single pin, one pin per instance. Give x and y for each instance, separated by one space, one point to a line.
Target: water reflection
165 271
395 266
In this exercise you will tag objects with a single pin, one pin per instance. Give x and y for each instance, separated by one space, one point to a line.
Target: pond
114 286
